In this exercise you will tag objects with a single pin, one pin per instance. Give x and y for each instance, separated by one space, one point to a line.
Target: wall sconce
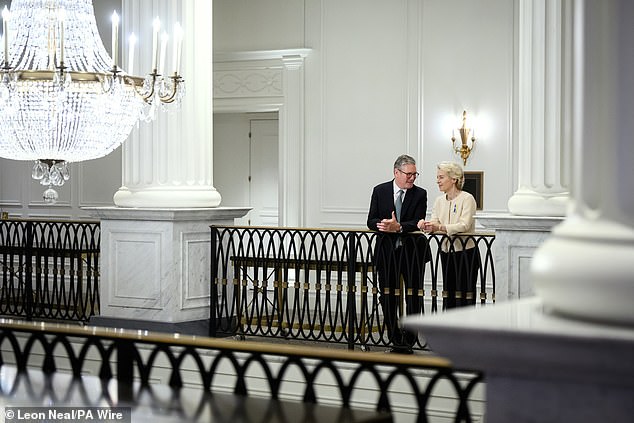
464 149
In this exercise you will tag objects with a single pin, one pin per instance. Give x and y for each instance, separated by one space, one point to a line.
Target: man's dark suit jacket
382 206
395 255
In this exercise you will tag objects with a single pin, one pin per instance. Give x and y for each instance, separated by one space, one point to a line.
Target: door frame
269 81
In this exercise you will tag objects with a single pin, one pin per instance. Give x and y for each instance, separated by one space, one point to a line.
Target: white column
586 268
544 141
292 143
169 163
155 244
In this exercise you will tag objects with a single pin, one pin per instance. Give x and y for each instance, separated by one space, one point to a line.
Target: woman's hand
428 226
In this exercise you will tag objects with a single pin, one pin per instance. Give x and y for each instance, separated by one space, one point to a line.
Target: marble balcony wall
516 240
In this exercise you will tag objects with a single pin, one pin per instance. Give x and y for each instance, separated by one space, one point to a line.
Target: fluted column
292 147
586 268
544 140
155 243
169 163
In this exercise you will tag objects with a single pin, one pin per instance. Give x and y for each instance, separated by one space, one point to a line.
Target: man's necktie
399 204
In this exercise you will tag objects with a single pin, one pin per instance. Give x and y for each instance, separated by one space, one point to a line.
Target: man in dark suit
395 208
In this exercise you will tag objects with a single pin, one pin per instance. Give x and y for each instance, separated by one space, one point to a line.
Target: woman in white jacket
454 213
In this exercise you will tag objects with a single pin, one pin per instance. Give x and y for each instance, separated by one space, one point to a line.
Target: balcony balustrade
49 269
323 284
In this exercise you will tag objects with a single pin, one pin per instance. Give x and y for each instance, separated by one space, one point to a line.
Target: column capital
293 62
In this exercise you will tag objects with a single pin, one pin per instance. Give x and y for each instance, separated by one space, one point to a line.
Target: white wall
381 79
357 106
248 25
468 65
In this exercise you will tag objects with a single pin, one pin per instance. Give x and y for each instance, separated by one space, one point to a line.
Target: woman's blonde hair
454 171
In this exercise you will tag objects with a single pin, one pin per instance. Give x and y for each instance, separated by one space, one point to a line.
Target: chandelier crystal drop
63 98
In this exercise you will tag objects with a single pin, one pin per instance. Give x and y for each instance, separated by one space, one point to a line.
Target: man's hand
389 225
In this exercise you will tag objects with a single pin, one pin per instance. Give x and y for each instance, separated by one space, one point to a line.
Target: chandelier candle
164 40
115 38
156 26
75 103
61 17
5 34
178 45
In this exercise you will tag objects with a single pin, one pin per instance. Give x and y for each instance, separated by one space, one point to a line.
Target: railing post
28 272
125 369
213 290
352 311
95 245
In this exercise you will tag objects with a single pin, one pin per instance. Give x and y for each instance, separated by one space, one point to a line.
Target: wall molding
268 81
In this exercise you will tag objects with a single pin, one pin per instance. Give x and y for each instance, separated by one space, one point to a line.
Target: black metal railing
330 285
132 363
49 269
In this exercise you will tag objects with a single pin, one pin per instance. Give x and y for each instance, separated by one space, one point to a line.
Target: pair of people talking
399 206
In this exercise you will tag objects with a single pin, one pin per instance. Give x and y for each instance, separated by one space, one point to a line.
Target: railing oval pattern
324 284
50 269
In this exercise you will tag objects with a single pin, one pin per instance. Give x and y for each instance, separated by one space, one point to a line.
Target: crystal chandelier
63 98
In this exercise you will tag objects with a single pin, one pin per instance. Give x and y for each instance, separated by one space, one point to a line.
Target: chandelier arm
132 83
172 96
147 96
102 80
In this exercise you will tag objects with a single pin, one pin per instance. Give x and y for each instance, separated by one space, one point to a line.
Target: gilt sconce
467 139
